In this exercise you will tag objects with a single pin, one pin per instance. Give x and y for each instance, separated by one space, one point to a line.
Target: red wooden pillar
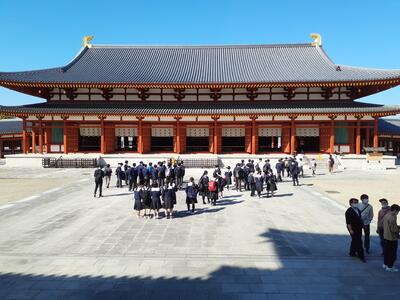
332 136
178 136
25 147
65 136
215 147
140 136
358 137
40 136
102 136
367 136
292 135
376 133
253 135
46 140
33 138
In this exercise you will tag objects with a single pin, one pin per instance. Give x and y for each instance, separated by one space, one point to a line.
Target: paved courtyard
61 243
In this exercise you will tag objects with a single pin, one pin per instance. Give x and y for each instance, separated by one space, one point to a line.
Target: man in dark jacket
141 171
238 178
279 169
126 166
118 173
179 173
133 175
161 174
355 225
107 175
98 179
294 171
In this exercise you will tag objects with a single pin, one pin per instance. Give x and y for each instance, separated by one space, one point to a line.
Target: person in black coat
294 171
154 174
252 183
246 172
161 174
355 225
203 187
141 171
120 175
179 173
238 175
156 193
98 179
137 196
191 194
228 177
146 201
126 166
133 176
279 169
169 197
107 175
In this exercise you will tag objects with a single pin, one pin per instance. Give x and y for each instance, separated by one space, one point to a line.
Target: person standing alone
98 179
354 226
107 175
391 237
381 214
367 214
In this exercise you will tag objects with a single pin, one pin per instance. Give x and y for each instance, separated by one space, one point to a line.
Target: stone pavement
65 244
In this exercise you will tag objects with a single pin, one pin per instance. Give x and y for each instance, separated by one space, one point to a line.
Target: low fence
52 162
200 162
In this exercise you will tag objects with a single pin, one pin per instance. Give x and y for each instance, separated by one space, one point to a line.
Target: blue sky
43 33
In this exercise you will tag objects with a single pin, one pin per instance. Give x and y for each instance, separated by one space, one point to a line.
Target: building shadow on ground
304 266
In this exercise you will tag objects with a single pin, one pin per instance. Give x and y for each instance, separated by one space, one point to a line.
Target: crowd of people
154 186
358 219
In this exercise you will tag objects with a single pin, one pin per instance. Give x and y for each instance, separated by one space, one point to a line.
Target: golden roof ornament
86 41
317 39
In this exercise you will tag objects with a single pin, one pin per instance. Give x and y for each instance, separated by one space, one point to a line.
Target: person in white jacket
367 214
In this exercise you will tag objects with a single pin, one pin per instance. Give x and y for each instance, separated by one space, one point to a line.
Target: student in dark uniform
203 187
156 193
137 196
271 184
354 226
191 194
126 166
228 177
279 169
169 197
161 174
98 179
118 173
259 182
133 176
238 175
141 172
107 175
180 174
294 171
154 174
213 189
252 183
146 201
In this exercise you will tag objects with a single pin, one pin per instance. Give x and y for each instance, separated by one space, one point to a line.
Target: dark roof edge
75 59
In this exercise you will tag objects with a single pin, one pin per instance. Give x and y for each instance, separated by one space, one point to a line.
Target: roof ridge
204 46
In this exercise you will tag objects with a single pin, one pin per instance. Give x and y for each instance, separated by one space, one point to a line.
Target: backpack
212 186
97 174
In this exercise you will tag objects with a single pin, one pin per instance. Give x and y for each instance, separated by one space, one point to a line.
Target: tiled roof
389 126
202 108
10 126
201 65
